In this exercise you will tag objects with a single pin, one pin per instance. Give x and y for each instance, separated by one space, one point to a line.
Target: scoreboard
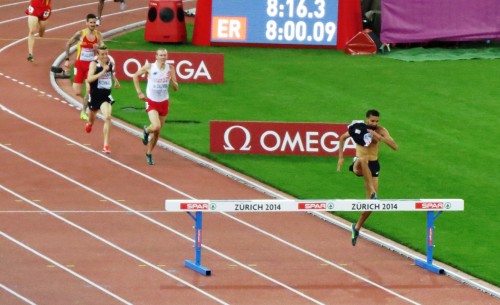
291 22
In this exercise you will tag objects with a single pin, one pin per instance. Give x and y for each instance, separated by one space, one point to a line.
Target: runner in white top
158 81
160 76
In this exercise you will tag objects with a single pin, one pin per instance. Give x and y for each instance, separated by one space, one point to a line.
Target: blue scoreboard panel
294 22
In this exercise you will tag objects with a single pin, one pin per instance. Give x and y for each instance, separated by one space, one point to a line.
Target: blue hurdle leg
428 265
196 264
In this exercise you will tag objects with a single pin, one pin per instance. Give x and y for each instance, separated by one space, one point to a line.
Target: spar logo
195 206
315 206
437 205
278 138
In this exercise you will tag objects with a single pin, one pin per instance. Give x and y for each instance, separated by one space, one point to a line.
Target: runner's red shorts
81 71
161 107
42 13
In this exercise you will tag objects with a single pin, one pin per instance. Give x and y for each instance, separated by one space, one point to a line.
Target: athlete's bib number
104 82
160 87
87 54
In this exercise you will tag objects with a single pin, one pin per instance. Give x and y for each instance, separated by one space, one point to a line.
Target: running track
79 227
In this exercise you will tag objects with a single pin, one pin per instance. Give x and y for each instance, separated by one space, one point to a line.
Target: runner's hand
66 64
339 164
142 96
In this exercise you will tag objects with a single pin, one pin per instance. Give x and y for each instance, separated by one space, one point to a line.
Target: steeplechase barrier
196 208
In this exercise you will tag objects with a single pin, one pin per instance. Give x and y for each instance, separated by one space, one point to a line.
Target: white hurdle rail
433 208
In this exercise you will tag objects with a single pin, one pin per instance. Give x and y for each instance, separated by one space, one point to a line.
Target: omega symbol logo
227 142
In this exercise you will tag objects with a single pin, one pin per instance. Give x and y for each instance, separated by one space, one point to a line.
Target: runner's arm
173 78
99 39
115 80
342 140
384 136
71 42
144 69
92 77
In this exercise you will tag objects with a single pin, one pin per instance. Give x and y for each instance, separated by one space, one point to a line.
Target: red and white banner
189 67
278 138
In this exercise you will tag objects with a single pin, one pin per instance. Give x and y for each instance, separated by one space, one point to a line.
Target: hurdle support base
198 268
430 267
196 264
427 264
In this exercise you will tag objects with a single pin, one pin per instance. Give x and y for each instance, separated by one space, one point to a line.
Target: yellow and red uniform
40 9
84 55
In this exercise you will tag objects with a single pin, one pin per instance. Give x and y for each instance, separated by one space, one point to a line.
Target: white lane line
15 3
92 151
53 11
325 261
40 92
66 25
80 212
191 197
152 221
11 291
53 262
116 247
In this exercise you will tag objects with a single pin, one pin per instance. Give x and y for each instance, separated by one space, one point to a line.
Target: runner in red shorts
89 39
160 75
38 12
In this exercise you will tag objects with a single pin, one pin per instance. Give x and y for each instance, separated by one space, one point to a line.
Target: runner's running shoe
30 58
374 196
98 22
123 5
149 159
84 116
355 234
106 150
88 127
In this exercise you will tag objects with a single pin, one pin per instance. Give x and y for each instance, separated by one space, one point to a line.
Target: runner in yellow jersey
89 39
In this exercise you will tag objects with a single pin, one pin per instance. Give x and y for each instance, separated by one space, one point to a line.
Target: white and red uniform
84 56
157 89
40 9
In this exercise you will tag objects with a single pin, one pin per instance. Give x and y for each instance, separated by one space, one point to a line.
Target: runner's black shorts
374 167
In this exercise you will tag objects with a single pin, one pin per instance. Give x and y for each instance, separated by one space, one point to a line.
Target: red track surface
114 245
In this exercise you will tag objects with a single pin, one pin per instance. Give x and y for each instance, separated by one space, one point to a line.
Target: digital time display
295 22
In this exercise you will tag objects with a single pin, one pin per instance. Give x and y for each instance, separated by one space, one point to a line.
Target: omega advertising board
279 138
189 67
